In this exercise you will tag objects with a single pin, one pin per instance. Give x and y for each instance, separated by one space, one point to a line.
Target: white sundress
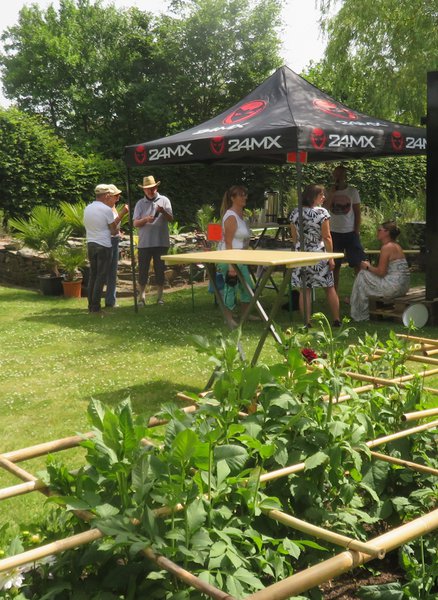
395 283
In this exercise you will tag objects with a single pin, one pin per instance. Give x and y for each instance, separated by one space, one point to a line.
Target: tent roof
283 116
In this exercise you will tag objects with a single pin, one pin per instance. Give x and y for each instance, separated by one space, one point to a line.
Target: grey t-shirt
156 234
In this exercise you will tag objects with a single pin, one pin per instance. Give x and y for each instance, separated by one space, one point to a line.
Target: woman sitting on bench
389 279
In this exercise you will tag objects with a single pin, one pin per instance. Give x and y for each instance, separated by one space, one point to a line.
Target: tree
75 67
105 77
36 167
212 53
378 55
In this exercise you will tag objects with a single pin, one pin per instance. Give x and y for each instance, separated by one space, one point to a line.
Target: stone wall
21 267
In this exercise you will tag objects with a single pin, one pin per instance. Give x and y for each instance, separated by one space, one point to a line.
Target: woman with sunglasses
389 279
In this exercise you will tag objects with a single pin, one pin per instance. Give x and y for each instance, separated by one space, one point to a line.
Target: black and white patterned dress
318 275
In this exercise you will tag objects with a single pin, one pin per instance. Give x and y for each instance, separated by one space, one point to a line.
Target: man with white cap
152 215
100 223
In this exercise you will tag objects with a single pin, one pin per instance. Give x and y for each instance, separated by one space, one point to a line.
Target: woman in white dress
390 278
317 238
235 235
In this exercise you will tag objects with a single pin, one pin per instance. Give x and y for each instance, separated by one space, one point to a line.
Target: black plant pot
51 285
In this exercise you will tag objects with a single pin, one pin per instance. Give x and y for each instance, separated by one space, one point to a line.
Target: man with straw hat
152 214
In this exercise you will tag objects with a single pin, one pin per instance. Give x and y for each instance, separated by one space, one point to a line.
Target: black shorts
349 244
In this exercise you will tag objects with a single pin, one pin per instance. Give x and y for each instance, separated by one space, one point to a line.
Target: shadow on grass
148 398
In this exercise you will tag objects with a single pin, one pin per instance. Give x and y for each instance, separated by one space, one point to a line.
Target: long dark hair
311 193
227 200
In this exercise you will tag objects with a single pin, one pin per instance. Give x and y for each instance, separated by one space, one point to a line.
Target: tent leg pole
306 316
131 242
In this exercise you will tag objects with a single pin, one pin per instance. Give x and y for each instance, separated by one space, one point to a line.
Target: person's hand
331 264
159 209
365 265
125 210
149 219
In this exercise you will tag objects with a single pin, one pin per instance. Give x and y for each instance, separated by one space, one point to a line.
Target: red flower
309 355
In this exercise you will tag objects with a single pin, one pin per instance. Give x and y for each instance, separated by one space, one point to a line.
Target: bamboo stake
325 534
386 382
186 576
414 358
21 488
17 471
401 434
313 576
405 463
46 448
282 472
155 421
343 397
420 414
421 340
30 556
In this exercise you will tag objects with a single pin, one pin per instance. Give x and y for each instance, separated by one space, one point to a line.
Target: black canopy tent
284 120
283 116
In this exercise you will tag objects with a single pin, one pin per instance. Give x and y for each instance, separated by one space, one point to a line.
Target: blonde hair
227 200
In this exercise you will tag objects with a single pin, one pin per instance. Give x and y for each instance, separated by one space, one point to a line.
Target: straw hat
149 182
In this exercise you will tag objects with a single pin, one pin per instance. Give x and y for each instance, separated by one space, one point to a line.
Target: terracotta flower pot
72 289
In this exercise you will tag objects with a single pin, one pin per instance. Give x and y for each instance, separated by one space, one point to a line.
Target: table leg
269 321
254 303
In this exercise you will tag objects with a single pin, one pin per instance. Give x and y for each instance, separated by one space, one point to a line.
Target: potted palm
45 231
71 259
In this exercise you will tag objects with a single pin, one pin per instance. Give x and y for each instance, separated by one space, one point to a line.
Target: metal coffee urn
272 205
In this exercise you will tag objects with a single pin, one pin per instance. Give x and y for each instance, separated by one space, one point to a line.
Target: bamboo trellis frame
357 553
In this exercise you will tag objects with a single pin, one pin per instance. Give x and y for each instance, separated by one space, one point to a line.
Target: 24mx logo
168 152
412 143
350 141
266 143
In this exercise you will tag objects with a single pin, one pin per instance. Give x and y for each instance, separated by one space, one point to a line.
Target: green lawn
55 357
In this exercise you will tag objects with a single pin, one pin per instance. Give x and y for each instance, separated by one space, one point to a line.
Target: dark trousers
99 258
145 255
111 282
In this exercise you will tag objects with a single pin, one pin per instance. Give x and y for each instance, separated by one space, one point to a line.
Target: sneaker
336 323
160 302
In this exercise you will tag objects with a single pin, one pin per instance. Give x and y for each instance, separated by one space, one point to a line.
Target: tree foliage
75 67
378 55
36 167
105 77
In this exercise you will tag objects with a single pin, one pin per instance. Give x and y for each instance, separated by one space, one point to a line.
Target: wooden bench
393 308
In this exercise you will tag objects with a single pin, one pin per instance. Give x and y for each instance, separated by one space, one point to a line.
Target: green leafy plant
74 216
204 216
44 231
71 259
